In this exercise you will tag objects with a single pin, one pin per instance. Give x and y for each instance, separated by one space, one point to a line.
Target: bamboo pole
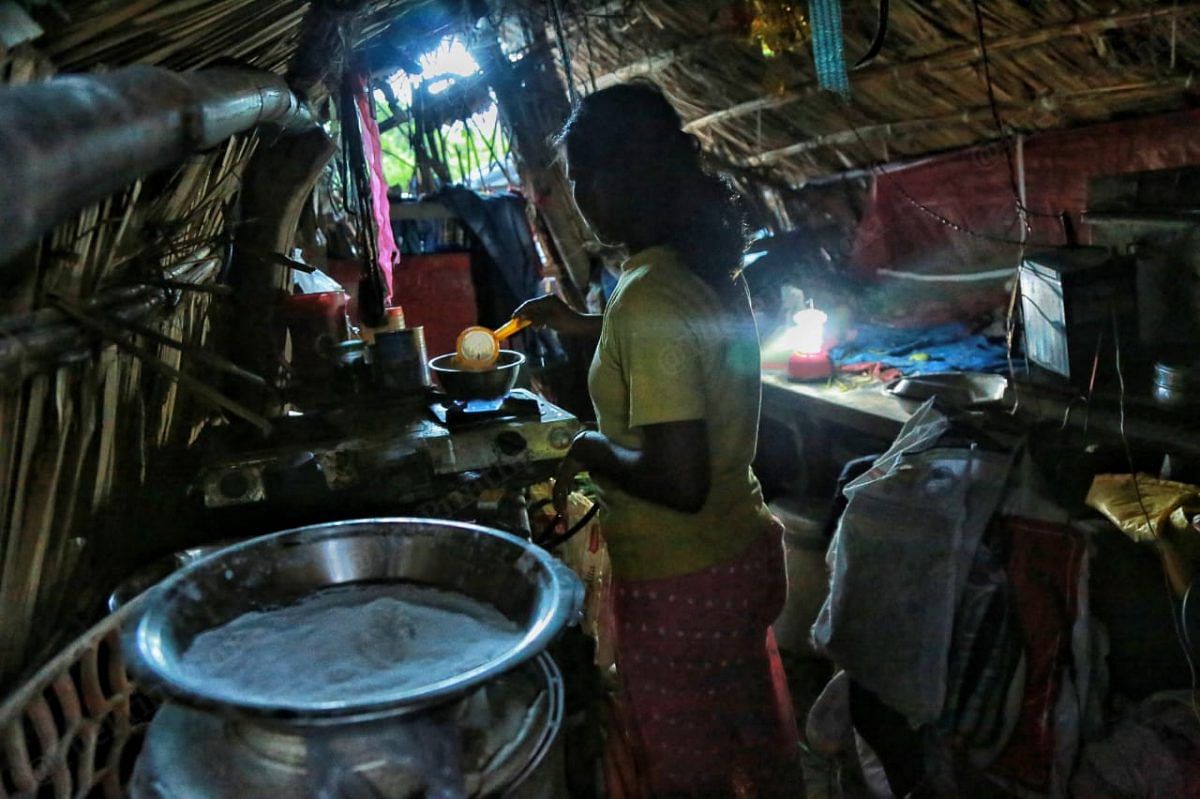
532 120
1049 104
658 62
124 343
16 601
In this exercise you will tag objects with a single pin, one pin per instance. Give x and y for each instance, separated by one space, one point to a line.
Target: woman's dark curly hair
632 131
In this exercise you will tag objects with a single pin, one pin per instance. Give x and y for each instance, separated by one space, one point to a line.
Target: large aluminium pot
526 584
503 739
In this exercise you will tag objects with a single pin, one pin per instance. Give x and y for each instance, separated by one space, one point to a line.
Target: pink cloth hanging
389 253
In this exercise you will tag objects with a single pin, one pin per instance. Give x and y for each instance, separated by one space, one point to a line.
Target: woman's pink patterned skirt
704 705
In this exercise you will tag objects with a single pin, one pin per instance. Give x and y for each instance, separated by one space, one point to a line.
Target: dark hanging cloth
507 272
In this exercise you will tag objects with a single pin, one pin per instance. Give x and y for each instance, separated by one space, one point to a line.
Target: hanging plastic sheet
900 560
510 272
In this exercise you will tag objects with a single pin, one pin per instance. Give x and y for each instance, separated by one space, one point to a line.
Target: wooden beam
532 103
657 62
950 57
1048 104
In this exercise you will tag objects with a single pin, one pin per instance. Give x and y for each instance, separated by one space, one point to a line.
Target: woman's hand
564 482
550 311
579 458
672 468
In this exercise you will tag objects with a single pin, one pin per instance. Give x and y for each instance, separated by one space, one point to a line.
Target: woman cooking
696 556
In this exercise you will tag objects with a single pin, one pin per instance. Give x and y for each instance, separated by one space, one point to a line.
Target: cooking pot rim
142 642
507 359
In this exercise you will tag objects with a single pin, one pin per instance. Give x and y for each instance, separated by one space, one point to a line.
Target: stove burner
388 454
457 414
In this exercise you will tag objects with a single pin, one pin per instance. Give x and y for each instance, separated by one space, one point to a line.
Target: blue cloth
950 348
608 282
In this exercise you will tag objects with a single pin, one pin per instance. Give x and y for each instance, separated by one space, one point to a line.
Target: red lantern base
807 366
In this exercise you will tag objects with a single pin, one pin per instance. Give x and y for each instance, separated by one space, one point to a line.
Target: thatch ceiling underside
303 39
1054 65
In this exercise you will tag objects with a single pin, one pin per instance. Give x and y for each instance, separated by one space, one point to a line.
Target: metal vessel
500 740
491 383
526 584
491 730
1177 382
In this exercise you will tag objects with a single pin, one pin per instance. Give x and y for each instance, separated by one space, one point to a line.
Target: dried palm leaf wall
74 435
87 440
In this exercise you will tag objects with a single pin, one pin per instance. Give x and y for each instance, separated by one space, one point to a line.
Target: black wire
548 541
1023 209
1177 618
564 51
877 168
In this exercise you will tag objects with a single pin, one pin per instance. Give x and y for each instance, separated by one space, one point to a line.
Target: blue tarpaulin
945 348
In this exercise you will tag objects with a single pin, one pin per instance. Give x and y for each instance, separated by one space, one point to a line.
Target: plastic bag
586 555
1149 510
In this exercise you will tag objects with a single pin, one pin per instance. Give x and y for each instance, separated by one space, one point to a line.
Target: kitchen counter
865 409
870 410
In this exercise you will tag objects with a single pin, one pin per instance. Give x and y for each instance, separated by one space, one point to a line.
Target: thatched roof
306 40
1054 65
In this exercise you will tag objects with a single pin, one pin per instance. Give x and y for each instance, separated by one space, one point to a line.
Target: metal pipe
71 141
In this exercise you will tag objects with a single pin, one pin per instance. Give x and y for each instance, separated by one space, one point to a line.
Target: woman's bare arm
550 311
672 470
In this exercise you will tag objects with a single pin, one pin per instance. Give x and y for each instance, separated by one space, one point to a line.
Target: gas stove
397 452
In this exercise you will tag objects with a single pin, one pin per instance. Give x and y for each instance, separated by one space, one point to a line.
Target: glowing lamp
809 361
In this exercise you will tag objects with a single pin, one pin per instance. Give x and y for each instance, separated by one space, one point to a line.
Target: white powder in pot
343 642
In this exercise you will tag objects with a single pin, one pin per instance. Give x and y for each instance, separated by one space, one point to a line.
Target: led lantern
809 361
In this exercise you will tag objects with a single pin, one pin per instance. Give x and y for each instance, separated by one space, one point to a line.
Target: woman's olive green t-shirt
670 351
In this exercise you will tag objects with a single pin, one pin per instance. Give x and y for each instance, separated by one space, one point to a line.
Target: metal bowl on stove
485 384
523 582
